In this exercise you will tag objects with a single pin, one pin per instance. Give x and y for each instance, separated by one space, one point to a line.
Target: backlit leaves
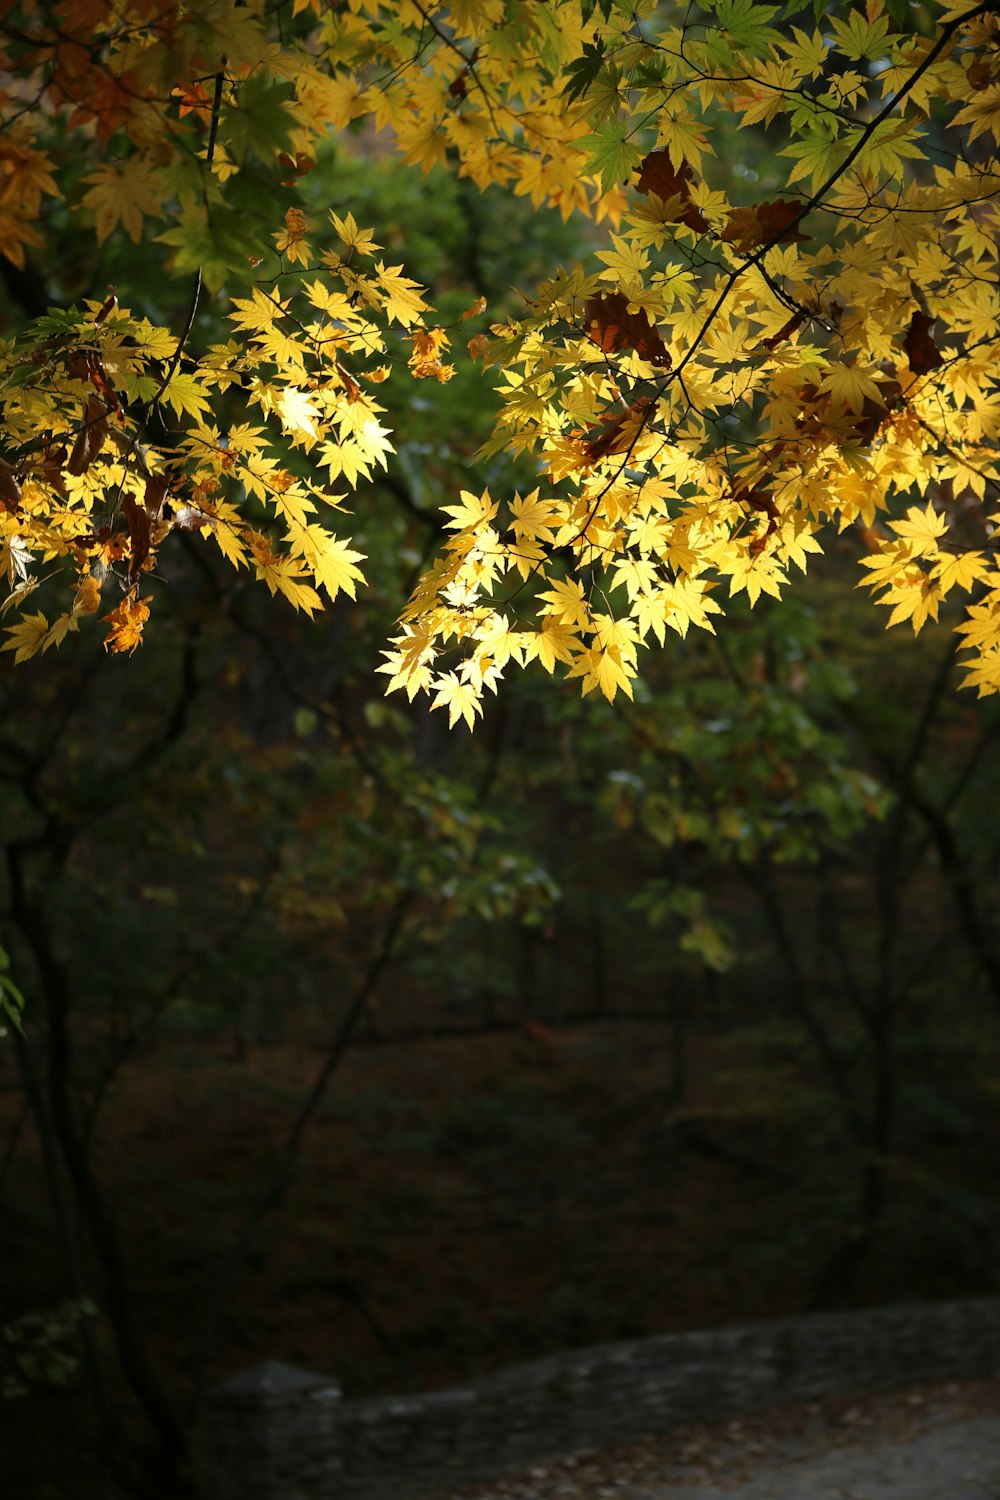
722 385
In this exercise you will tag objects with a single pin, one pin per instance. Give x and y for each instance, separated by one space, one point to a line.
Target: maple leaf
658 175
461 699
613 327
332 561
603 668
299 414
425 361
28 637
291 241
853 385
534 518
126 621
404 302
921 350
473 511
612 152
764 224
923 529
553 641
123 193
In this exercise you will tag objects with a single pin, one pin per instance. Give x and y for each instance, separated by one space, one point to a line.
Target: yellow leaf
461 699
122 193
331 560
27 637
299 414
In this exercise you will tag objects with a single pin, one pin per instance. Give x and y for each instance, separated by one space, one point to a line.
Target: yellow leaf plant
734 377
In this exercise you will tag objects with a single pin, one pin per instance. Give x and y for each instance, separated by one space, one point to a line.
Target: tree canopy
732 378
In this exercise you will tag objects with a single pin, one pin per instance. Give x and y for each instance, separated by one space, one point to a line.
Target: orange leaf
126 623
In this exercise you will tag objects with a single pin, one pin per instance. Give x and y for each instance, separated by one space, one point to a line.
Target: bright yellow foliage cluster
730 380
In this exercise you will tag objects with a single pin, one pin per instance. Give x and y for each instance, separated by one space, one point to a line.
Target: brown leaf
91 437
10 490
784 332
613 328
300 167
764 224
619 435
350 384
657 176
921 350
154 494
759 497
87 600
109 304
873 413
49 470
107 391
138 535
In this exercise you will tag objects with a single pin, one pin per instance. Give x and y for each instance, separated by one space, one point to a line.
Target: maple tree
734 380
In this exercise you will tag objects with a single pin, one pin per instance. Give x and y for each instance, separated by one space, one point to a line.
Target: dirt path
954 1461
924 1443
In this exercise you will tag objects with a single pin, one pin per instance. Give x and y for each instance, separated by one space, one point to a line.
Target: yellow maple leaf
332 561
299 415
604 669
474 510
122 193
291 241
553 641
959 570
402 297
461 699
27 637
923 529
362 241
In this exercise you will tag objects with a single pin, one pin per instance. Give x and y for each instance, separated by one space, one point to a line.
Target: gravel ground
925 1443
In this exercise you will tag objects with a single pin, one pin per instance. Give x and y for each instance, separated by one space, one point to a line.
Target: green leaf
584 70
612 154
745 24
260 122
218 244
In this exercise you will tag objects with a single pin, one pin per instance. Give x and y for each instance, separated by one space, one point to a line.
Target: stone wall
277 1433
